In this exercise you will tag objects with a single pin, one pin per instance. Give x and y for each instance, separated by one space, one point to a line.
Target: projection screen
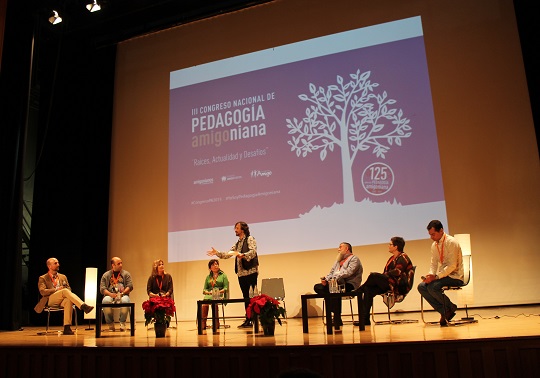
260 131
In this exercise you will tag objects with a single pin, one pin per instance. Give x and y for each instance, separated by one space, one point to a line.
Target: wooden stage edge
504 343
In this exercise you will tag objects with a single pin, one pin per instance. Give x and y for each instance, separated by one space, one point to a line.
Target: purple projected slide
321 143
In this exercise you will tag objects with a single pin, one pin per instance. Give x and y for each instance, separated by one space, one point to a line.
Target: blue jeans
433 294
109 312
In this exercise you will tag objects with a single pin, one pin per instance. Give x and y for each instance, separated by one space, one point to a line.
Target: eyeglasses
391 244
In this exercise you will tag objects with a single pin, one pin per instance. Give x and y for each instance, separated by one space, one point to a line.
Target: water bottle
215 293
251 291
119 291
333 285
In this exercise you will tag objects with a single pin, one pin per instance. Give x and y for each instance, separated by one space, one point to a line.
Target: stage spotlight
55 18
93 7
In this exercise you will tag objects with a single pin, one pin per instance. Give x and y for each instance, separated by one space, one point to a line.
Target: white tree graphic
348 112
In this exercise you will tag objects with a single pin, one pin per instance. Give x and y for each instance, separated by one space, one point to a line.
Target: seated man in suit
347 270
55 291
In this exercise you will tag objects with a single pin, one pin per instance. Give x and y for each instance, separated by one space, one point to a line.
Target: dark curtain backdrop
528 19
13 104
69 112
70 208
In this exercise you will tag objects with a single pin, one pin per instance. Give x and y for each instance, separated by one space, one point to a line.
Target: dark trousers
375 284
245 283
333 304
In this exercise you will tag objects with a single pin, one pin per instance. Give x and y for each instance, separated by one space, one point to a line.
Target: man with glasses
395 277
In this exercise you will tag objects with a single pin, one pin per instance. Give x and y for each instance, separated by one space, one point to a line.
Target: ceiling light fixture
55 18
93 7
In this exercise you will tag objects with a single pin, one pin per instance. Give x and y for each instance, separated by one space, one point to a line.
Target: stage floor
499 322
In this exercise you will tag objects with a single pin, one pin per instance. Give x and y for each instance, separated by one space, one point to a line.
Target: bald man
115 286
55 291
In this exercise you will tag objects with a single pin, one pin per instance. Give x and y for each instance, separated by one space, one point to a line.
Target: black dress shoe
446 318
356 323
68 331
450 315
246 324
359 290
86 308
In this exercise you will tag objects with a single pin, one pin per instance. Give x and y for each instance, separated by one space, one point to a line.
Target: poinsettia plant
267 309
158 310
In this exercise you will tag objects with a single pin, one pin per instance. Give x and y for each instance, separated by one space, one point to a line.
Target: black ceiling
119 20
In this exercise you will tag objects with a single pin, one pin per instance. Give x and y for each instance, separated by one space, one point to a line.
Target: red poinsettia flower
267 309
158 310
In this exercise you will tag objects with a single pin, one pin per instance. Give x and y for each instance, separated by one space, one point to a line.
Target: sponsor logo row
254 174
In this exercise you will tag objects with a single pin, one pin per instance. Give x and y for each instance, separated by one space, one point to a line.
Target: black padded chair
274 287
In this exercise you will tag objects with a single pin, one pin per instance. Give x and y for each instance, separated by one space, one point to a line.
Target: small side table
99 315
